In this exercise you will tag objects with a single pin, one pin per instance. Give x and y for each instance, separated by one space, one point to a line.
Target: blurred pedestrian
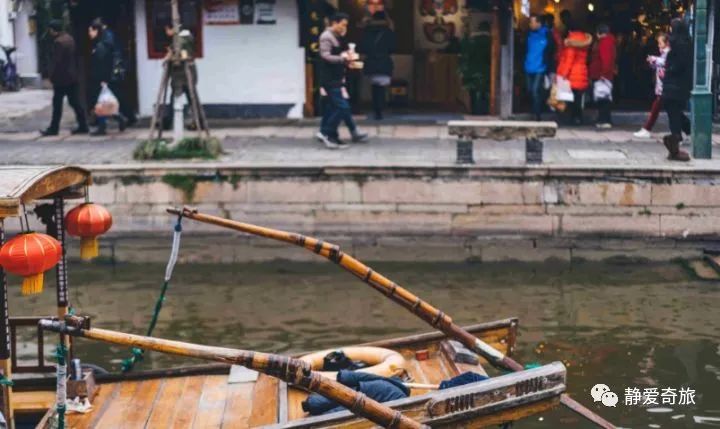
101 72
119 70
334 59
677 84
64 78
573 66
377 44
538 54
602 72
657 63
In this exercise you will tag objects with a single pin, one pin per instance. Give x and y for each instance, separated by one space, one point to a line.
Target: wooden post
61 268
5 362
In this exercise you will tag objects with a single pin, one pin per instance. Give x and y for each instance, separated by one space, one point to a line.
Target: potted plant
474 67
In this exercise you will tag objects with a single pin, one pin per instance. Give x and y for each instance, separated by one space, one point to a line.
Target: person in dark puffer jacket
677 84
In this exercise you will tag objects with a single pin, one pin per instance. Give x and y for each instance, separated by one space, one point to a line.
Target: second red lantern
88 221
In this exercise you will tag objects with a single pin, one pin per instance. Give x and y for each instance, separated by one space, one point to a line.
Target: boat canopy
23 185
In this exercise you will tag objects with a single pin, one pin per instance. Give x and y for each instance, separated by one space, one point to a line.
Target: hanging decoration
29 255
88 221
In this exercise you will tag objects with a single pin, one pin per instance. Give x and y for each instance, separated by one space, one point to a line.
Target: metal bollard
464 151
533 150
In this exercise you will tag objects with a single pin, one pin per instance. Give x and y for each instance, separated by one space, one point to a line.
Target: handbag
564 90
107 104
602 89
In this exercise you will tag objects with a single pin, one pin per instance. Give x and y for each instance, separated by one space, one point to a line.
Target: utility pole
701 99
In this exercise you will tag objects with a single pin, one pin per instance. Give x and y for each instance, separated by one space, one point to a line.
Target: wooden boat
214 395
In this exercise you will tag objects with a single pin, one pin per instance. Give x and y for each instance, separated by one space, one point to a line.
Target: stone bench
532 132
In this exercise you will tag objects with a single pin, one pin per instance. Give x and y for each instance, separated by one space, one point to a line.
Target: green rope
4 381
60 354
138 354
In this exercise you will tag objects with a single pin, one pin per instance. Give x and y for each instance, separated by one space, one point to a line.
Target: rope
138 353
61 394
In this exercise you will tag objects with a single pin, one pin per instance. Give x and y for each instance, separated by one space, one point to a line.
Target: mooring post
465 150
701 100
5 362
533 150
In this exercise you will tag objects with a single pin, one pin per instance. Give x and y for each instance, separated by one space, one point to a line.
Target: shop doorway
427 79
120 17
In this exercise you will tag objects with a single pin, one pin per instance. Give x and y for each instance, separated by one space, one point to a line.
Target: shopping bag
552 102
564 90
602 89
107 104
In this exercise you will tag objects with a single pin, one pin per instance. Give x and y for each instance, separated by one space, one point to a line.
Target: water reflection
624 325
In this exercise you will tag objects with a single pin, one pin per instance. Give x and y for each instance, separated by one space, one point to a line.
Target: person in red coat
573 67
602 72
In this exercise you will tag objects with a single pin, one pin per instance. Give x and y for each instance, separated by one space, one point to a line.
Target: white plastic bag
564 90
107 104
602 89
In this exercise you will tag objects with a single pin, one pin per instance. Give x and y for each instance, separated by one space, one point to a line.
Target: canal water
625 323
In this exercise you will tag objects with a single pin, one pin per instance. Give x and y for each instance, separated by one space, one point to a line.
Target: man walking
333 61
539 50
64 77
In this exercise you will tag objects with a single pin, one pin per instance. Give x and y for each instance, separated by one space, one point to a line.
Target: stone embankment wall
463 202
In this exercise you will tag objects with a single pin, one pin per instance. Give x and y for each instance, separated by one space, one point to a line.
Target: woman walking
573 66
657 63
101 71
676 88
602 72
377 44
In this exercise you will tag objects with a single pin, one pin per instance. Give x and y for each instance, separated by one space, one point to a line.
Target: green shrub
194 147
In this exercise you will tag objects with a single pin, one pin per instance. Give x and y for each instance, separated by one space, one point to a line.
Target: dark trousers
604 111
125 109
654 113
59 94
379 95
534 83
679 123
337 109
576 107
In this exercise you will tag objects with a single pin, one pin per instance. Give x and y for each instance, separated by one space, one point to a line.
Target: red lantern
88 221
30 255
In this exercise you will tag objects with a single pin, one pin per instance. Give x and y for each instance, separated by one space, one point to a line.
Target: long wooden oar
290 370
433 316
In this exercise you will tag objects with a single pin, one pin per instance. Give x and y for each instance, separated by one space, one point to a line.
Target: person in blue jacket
537 58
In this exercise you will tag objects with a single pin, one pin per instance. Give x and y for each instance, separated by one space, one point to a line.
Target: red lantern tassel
89 248
32 285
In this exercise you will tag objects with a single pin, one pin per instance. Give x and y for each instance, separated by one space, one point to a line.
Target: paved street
389 146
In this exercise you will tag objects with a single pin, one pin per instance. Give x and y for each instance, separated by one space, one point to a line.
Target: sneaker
327 141
359 138
643 134
604 126
48 132
339 144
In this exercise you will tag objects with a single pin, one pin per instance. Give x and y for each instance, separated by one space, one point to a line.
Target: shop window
159 15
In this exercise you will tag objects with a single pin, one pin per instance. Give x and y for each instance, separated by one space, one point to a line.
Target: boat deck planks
210 401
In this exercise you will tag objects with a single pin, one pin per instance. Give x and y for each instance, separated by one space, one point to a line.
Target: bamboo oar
290 370
433 316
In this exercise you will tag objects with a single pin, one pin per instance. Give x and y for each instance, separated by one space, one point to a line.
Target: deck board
295 399
264 407
114 416
187 405
165 406
238 405
138 413
212 403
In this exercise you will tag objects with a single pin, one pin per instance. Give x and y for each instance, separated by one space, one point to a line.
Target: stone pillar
701 98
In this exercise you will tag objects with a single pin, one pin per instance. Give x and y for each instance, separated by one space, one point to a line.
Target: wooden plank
434 370
114 416
282 402
33 402
295 399
187 405
238 405
139 409
264 407
164 408
212 403
99 404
